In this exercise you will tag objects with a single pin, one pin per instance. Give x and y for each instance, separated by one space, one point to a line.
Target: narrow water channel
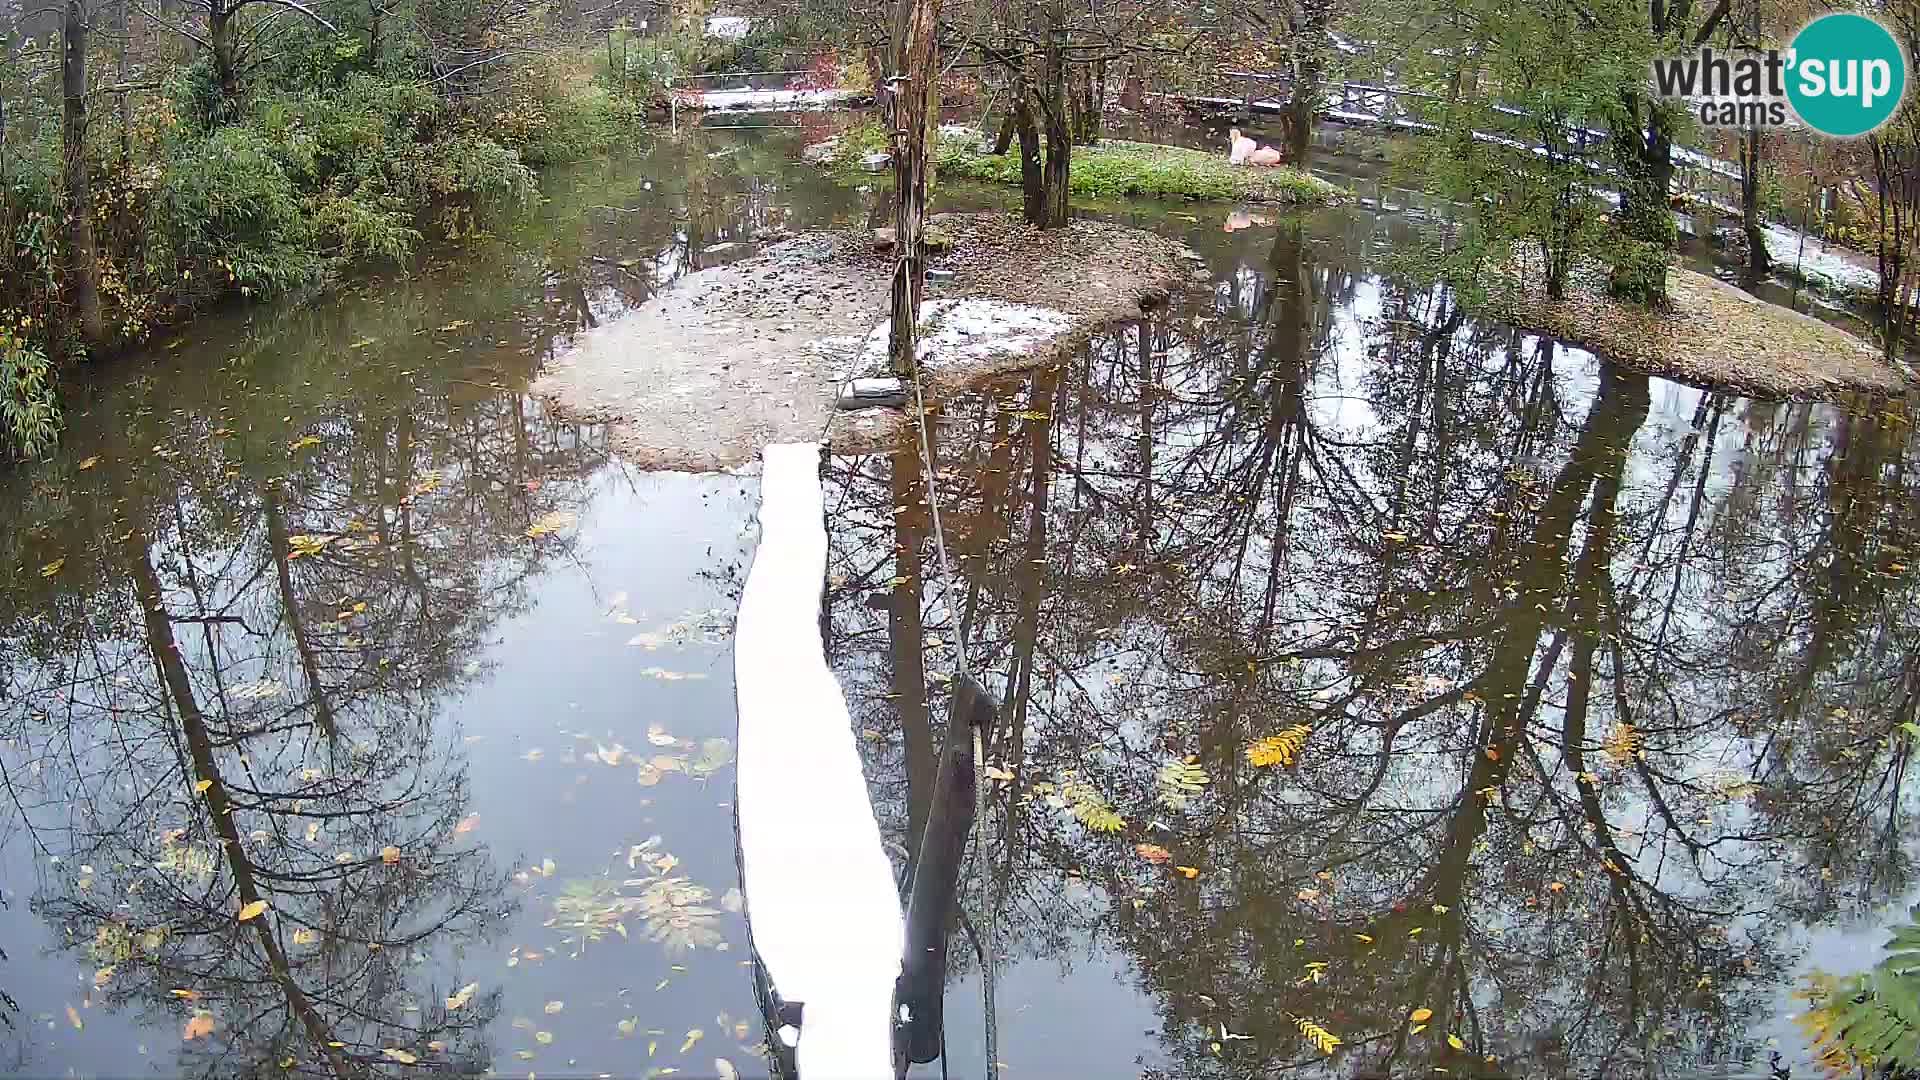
1572 696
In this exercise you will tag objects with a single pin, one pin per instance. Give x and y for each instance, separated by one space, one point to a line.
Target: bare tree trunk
124 27
1758 261
918 52
226 67
1032 184
1055 205
1309 50
83 285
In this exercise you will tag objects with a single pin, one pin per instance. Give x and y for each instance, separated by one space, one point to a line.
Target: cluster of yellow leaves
1625 743
551 522
1419 1018
307 544
1089 807
1282 749
1326 1040
1180 781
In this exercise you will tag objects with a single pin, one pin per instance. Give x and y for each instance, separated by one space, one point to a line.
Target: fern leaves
1872 1019
1282 749
1180 781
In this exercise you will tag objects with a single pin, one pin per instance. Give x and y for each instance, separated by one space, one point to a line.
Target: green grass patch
1113 169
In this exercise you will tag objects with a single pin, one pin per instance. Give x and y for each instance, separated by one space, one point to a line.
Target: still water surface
1586 686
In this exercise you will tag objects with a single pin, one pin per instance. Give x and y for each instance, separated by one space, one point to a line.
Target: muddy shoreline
733 358
1714 336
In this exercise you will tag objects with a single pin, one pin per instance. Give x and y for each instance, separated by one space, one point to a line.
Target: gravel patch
730 359
1714 336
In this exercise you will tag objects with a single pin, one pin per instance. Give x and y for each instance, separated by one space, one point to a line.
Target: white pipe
823 908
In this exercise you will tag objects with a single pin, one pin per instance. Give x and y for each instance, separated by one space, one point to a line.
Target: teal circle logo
1845 75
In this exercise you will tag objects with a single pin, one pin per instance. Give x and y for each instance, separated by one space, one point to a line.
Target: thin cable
987 1009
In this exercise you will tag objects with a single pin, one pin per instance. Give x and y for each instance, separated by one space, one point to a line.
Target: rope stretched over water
979 750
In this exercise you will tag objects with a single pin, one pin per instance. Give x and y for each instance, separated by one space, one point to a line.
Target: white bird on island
1242 147
1247 152
822 906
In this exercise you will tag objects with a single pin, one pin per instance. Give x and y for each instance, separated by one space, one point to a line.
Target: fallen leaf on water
52 568
394 1053
658 736
436 1046
89 463
201 787
200 1024
253 910
693 1036
1153 853
626 1026
1421 1016
725 1070
467 824
184 995
1188 872
73 1017
1455 1042
462 996
390 855
523 1055
543 1037
305 937
547 867
100 977
555 1006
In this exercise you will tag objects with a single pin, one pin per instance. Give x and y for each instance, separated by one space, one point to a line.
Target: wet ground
1360 658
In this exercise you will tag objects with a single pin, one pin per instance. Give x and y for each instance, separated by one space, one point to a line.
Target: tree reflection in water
1604 677
230 694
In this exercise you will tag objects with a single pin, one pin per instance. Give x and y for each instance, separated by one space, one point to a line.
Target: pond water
1359 658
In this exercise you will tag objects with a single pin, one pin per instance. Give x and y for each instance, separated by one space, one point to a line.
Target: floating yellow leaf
100 977
201 787
89 463
467 824
52 568
462 996
1153 853
1282 749
253 910
1455 1042
184 995
693 1036
390 855
1188 872
626 1026
199 1024
303 442
551 522
394 1053
305 937
1417 1029
1326 1040
1367 938
1421 1016
73 1017
555 1006
543 1037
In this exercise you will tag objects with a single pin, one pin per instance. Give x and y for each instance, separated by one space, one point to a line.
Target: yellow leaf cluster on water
1326 1040
1625 743
1282 749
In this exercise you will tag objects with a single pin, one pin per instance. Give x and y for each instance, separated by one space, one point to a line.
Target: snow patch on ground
1819 264
973 332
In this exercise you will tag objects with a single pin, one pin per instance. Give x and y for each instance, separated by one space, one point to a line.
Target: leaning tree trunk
918 54
82 285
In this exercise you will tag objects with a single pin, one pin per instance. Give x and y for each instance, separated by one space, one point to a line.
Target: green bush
227 206
29 412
